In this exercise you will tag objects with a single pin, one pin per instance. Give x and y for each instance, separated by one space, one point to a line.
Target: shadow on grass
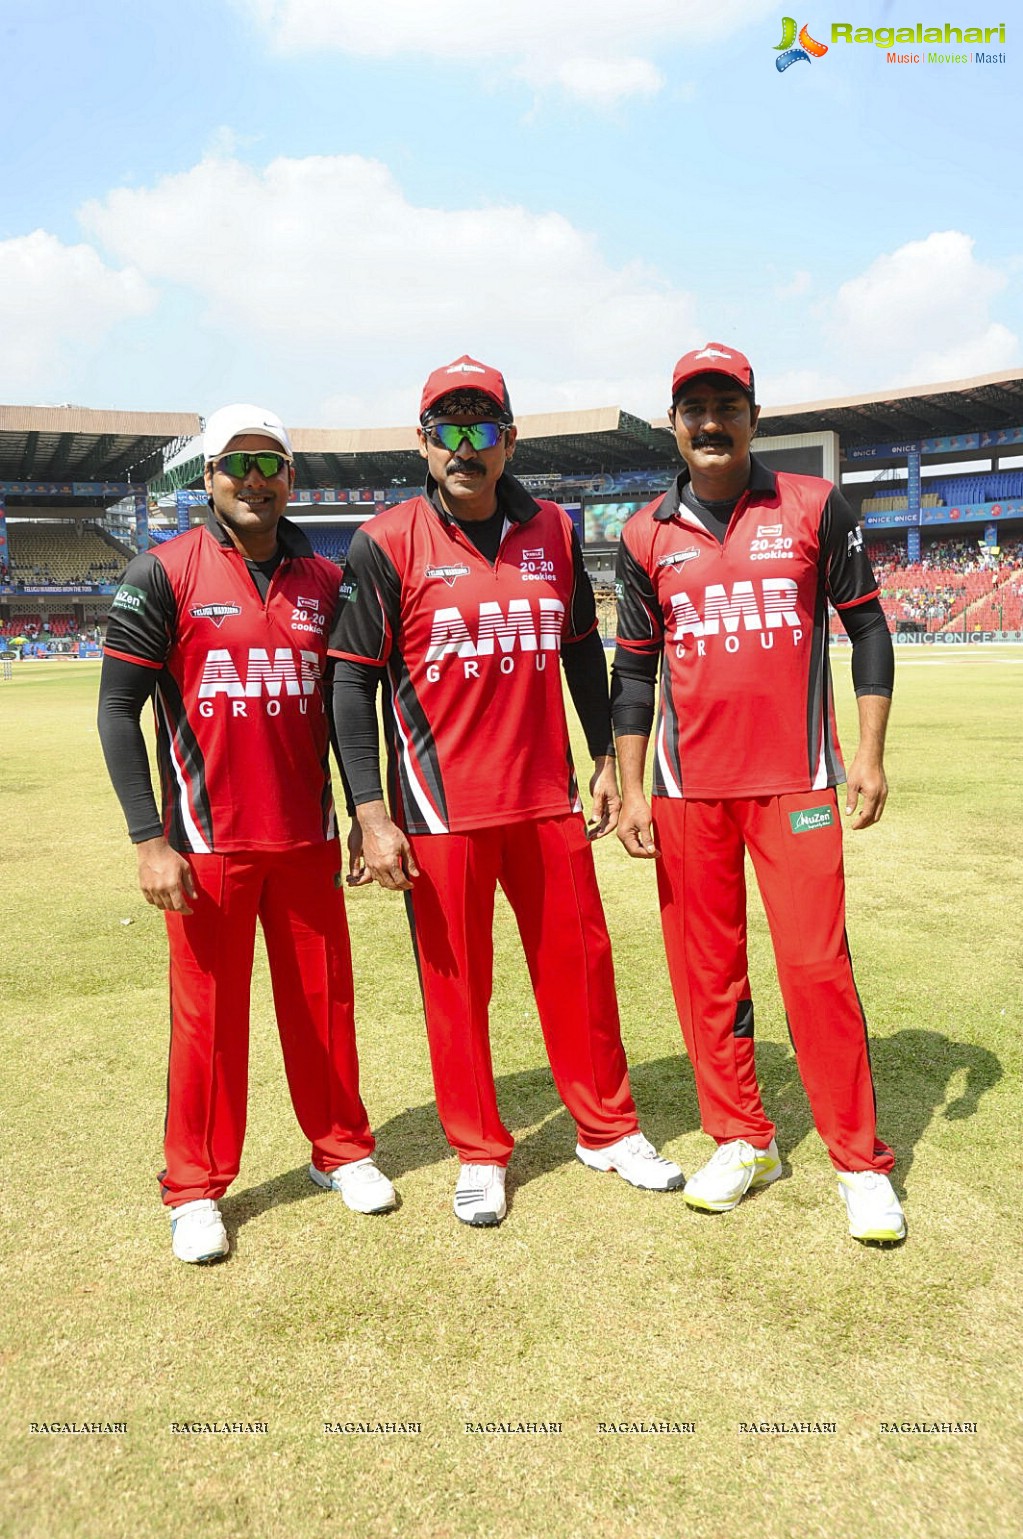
663 1091
912 1073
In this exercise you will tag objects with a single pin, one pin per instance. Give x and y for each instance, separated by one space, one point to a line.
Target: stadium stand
996 486
957 585
63 554
332 543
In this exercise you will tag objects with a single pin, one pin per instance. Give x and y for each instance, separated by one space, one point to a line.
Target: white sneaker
197 1231
875 1213
636 1161
479 1195
735 1169
364 1188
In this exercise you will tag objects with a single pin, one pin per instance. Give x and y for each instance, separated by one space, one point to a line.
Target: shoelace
637 1143
478 1174
725 1154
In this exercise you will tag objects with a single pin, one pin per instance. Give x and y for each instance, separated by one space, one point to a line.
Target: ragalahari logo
788 53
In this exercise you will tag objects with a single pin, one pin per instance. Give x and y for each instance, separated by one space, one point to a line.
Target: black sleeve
355 723
369 607
632 698
640 621
845 563
143 613
873 656
582 615
586 677
124 689
328 702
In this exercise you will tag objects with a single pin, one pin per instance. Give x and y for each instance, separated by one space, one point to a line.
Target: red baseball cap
465 376
714 358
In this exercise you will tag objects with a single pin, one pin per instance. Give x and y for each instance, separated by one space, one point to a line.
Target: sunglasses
239 462
450 435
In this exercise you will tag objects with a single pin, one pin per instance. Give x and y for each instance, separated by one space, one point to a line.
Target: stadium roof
72 443
990 401
571 442
608 439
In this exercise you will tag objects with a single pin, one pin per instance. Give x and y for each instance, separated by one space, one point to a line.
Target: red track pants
292 893
546 870
702 887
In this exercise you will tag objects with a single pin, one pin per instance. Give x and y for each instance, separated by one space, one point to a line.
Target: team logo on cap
711 352
465 368
218 613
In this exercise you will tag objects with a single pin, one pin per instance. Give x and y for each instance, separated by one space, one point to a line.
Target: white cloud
593 41
604 82
922 314
57 304
791 387
330 283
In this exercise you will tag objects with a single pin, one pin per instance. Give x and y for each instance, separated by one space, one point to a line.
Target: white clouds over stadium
324 266
55 300
319 281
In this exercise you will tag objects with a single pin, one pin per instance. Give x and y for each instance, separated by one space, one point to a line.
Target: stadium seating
62 554
20 624
332 542
994 486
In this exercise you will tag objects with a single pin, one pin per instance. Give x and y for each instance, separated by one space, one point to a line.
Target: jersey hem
747 794
251 848
473 825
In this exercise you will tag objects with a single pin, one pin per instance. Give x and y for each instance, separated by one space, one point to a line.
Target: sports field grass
593 1303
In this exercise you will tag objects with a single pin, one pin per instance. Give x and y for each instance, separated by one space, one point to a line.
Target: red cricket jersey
242 733
476 717
746 697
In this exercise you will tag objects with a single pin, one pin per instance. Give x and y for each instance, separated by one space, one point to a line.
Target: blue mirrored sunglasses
450 435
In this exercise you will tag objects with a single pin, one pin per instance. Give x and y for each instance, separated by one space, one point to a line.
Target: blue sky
311 203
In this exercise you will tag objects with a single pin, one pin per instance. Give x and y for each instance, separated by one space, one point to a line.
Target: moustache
712 441
470 467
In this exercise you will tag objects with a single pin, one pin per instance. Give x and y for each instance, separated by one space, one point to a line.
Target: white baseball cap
232 421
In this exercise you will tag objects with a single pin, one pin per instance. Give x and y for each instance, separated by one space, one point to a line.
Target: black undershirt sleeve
124 689
328 700
633 689
355 725
586 677
873 656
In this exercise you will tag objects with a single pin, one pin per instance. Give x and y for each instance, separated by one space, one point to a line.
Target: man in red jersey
226 628
723 586
467 597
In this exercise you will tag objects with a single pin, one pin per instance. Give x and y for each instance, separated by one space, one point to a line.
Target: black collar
760 480
517 505
291 540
